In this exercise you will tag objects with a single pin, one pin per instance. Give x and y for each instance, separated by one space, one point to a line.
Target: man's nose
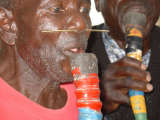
77 22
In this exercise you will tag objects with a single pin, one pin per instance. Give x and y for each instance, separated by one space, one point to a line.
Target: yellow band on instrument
138 104
135 32
136 55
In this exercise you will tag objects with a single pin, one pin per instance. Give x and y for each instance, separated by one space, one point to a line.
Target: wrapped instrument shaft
85 69
134 50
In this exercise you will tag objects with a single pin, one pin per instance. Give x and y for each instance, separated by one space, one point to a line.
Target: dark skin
36 63
126 73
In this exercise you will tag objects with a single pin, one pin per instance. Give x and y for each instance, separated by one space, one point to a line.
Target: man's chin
62 77
67 79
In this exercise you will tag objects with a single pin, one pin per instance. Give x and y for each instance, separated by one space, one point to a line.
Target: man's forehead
63 2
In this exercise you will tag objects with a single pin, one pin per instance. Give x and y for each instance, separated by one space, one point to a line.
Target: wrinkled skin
36 63
126 73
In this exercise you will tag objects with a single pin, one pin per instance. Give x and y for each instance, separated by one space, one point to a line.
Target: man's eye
56 10
84 10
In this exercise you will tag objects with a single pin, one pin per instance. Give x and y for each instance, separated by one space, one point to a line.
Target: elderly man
120 73
36 80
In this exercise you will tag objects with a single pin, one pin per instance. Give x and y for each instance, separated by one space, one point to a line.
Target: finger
120 98
134 84
135 73
109 72
128 61
124 90
111 94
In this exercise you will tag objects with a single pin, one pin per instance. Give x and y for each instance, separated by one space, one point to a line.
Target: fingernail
149 87
148 77
143 67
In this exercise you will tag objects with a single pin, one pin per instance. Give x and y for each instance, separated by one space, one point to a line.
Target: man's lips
135 6
76 50
140 9
71 43
75 46
127 9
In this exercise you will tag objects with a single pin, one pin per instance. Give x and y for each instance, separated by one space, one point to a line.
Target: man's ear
8 28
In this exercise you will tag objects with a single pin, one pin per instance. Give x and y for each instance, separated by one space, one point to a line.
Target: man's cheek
48 24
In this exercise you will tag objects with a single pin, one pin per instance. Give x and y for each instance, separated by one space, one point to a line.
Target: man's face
47 53
114 11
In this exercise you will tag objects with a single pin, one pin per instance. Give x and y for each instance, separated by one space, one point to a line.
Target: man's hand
121 76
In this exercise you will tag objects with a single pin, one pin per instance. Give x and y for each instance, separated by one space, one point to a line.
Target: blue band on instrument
135 92
88 114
